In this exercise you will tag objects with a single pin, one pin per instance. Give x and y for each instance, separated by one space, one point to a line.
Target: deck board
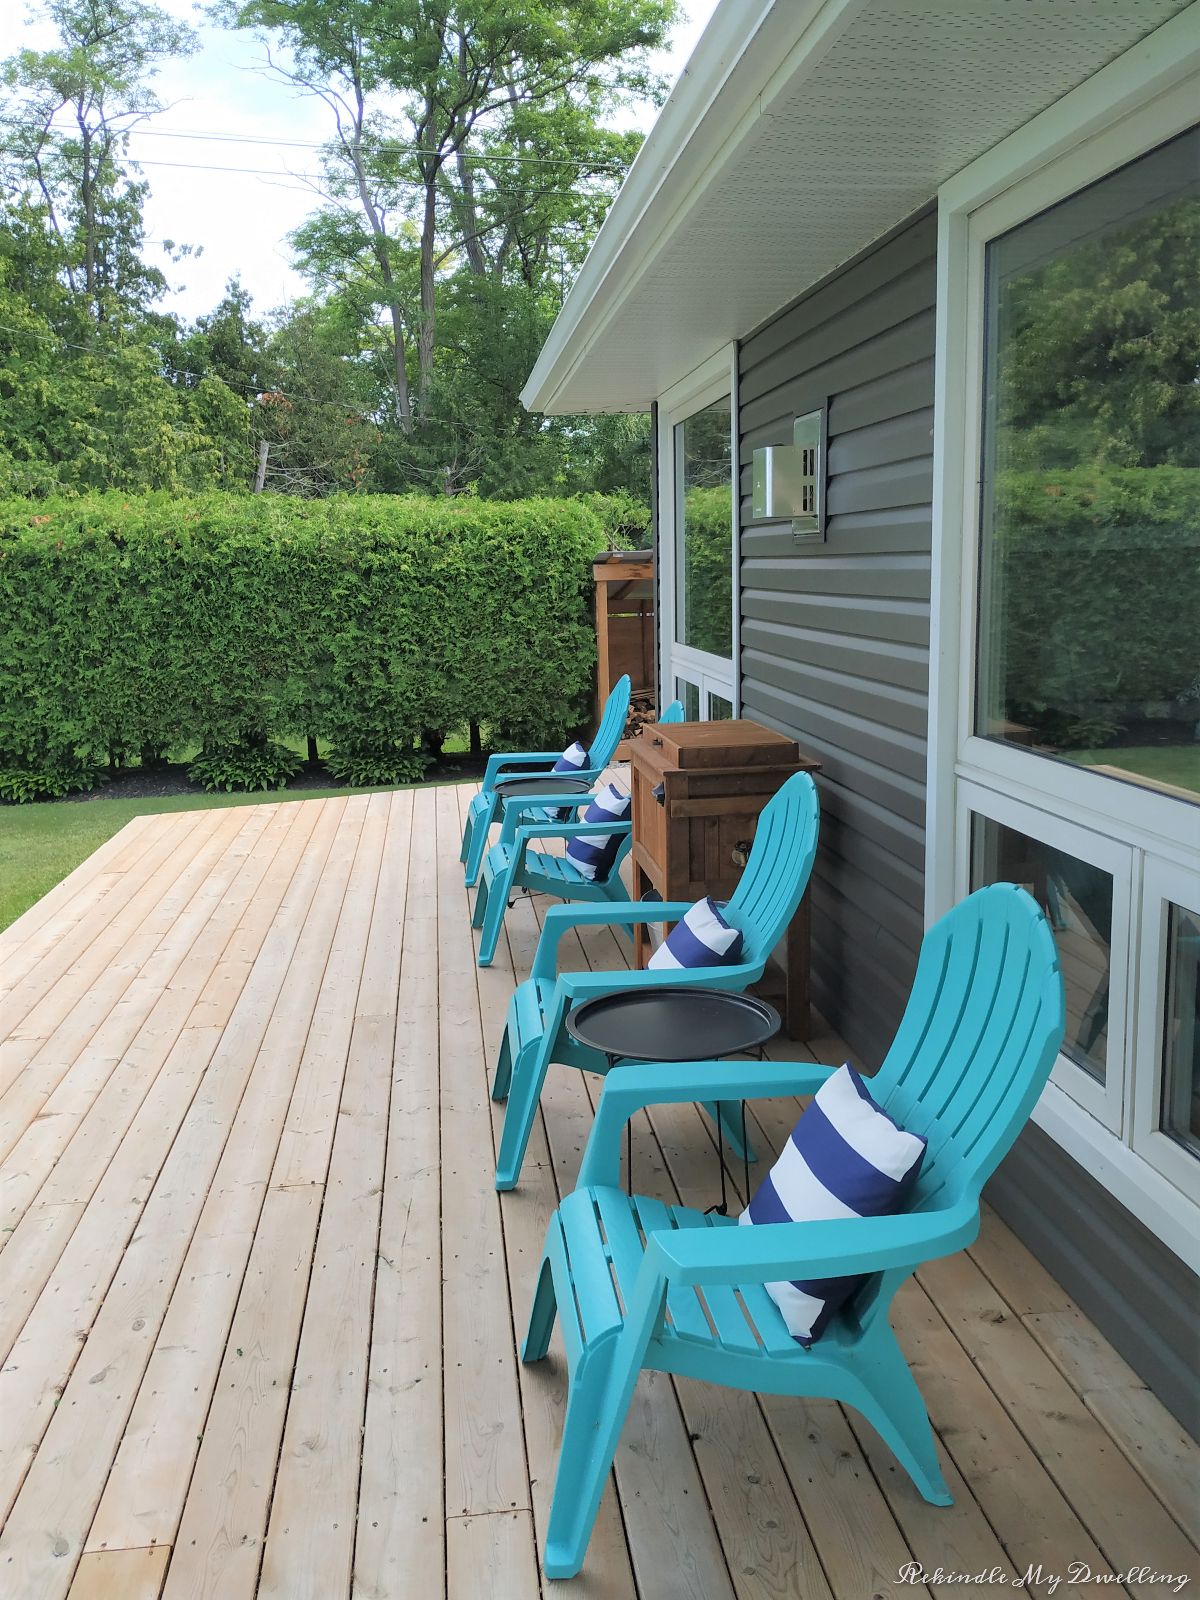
261 1303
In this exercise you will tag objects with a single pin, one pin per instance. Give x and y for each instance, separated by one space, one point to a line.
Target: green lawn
1178 764
41 843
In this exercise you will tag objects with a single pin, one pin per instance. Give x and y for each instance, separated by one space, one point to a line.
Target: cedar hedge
1098 599
137 626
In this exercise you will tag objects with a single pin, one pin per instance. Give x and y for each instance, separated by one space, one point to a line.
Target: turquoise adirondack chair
980 1033
762 905
512 865
487 804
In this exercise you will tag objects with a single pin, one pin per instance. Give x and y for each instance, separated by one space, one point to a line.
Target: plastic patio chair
764 902
512 865
485 806
978 1039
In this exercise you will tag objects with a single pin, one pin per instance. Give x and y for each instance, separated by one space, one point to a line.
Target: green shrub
19 785
624 518
254 765
708 569
150 622
1098 594
361 769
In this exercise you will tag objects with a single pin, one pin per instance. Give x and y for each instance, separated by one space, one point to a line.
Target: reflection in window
1077 899
704 556
1181 1043
689 693
719 709
1090 573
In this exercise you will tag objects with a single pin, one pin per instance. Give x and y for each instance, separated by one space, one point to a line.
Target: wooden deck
258 1297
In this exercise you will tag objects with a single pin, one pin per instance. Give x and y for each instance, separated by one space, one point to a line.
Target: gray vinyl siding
835 651
1143 1298
835 635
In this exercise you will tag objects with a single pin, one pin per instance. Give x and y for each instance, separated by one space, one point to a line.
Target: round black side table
677 1023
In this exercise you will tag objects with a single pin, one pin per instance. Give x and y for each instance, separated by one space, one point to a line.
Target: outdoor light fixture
788 480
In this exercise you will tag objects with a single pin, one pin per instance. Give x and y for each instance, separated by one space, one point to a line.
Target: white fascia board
719 97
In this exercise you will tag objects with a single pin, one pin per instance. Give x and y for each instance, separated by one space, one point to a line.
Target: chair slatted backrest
777 871
980 1034
612 724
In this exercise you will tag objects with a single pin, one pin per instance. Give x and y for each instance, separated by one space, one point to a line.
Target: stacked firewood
643 708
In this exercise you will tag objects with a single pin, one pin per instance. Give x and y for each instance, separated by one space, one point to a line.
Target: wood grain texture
121 1574
264 1302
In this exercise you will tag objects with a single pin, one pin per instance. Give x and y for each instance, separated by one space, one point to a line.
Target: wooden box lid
721 744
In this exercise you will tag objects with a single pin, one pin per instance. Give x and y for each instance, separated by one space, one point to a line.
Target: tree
1100 349
444 114
65 137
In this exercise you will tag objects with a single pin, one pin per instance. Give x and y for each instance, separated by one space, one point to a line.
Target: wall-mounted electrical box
788 480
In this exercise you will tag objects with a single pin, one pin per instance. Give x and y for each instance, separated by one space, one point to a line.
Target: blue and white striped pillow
594 853
572 759
702 938
845 1158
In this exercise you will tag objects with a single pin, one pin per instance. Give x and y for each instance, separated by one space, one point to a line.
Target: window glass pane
704 553
689 693
1181 1041
1077 898
1089 638
719 709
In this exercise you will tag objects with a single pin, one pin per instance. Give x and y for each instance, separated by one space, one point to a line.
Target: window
697 542
1077 897
1089 595
1065 695
704 530
1180 1110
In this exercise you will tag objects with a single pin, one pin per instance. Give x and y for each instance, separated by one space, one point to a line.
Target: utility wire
616 167
311 177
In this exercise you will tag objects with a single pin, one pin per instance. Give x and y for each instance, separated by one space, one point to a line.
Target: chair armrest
569 830
562 830
516 758
630 1089
788 1250
515 810
559 919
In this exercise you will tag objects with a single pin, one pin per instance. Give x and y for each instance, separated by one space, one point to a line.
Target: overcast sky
217 98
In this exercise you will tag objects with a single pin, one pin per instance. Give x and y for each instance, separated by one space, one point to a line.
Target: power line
310 177
616 167
380 149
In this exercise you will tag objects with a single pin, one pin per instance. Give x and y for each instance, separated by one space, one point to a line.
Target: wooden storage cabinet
624 621
716 778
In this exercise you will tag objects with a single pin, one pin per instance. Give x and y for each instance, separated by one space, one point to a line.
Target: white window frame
1136 103
1163 884
713 380
1104 1101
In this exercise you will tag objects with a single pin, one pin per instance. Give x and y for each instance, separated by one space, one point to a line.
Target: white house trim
1145 97
712 380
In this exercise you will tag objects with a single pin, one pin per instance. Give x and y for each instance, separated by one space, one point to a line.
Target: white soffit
800 133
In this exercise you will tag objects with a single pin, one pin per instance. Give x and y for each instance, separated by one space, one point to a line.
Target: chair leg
528 1076
616 891
601 1388
476 849
541 1314
892 1403
492 919
493 922
481 900
729 1114
503 1074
